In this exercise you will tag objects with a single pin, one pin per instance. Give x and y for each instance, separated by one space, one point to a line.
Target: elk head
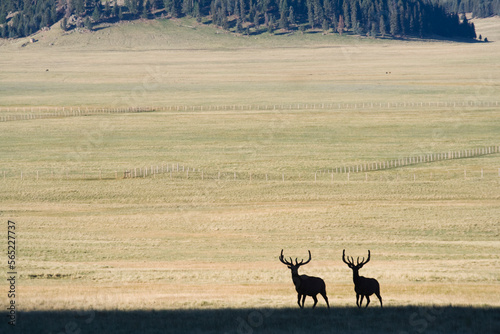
294 267
358 265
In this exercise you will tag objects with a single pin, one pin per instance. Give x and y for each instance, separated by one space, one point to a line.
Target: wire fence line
346 172
29 113
174 169
198 175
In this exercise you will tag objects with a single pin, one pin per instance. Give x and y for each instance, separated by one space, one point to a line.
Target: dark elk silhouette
364 287
305 285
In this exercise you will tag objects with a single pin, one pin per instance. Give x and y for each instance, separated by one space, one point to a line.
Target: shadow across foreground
401 320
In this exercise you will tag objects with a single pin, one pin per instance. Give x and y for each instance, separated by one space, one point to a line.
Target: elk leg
298 299
303 300
361 300
315 301
367 300
326 299
379 298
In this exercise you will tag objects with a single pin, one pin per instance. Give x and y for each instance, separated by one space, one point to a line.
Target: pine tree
318 12
88 23
310 13
291 16
96 15
395 27
325 26
328 11
116 9
346 17
120 13
243 11
270 24
373 32
354 18
5 31
3 15
340 26
107 9
197 12
79 7
256 20
239 25
283 22
187 7
382 26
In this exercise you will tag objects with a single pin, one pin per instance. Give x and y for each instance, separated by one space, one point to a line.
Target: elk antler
297 263
285 262
302 262
350 261
363 262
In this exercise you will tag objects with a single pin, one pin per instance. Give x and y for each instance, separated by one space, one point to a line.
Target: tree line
478 8
376 18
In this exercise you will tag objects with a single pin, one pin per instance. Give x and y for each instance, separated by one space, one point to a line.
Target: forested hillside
478 8
376 18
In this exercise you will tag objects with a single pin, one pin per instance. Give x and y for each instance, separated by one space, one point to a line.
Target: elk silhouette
305 285
364 287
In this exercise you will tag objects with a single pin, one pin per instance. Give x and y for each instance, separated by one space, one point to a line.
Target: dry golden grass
186 243
171 65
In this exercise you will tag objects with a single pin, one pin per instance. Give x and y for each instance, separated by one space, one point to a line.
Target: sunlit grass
90 239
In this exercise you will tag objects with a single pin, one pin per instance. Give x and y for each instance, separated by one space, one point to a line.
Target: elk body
305 285
364 287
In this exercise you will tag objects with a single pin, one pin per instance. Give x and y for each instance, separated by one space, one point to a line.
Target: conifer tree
116 9
325 26
88 23
340 27
283 22
382 26
291 16
310 13
395 27
96 15
64 24
346 16
256 20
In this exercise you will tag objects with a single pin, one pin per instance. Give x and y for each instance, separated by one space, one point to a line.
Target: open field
167 63
140 255
191 244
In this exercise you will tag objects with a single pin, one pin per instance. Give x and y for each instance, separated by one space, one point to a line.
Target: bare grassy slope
169 63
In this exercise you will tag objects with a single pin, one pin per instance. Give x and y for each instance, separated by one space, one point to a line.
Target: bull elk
305 285
364 287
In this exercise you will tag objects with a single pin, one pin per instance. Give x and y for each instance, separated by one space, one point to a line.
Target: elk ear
289 267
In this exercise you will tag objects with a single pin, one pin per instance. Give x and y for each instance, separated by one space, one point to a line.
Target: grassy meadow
184 254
